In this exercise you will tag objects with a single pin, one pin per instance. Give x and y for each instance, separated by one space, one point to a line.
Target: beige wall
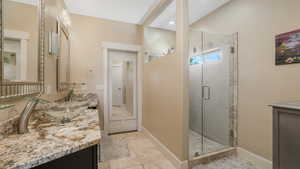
165 92
162 101
14 16
86 55
260 82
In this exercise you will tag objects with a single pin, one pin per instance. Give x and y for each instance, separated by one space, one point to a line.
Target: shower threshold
200 145
207 158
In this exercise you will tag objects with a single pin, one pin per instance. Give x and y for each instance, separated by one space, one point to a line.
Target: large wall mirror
22 54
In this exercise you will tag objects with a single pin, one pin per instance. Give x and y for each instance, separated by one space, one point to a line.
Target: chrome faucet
26 114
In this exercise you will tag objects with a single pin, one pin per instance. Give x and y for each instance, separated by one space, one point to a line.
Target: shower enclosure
212 92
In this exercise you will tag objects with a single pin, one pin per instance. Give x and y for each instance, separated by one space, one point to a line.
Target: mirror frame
17 89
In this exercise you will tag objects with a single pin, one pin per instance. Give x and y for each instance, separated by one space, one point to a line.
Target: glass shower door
217 93
197 123
210 77
196 127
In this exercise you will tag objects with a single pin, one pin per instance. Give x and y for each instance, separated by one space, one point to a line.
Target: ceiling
134 11
197 10
130 11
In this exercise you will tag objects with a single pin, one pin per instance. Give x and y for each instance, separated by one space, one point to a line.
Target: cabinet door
84 159
288 140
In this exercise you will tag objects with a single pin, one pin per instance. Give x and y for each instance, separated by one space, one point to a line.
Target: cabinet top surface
289 105
49 140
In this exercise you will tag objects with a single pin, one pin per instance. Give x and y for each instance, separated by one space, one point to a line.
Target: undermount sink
64 116
57 113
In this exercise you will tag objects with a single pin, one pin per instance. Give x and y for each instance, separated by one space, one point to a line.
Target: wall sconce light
53 44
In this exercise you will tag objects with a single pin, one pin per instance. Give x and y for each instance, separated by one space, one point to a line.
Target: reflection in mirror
21 29
160 34
64 60
123 74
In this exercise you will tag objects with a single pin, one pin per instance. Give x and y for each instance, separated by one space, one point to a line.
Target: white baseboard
169 155
257 160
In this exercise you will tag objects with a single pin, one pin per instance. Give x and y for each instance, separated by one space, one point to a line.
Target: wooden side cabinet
286 138
84 159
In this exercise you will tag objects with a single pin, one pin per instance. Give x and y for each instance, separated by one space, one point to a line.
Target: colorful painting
288 48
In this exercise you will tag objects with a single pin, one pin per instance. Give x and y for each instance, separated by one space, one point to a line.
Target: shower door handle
208 97
208 92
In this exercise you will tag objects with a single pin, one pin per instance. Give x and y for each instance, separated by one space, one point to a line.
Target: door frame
106 46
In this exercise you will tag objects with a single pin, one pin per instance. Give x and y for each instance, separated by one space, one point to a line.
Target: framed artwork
288 48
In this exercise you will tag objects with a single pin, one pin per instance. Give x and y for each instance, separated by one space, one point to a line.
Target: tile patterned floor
136 151
227 163
195 144
132 151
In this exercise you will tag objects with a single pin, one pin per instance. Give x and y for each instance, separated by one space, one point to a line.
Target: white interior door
117 84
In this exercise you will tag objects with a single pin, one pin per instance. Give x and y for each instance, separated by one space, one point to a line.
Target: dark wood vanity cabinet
286 138
83 159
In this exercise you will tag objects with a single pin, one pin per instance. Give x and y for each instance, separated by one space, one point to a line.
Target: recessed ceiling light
172 22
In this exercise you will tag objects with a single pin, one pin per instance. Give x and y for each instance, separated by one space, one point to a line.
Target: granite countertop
49 139
290 105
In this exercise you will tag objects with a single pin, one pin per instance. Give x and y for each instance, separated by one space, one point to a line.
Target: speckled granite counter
291 105
49 140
